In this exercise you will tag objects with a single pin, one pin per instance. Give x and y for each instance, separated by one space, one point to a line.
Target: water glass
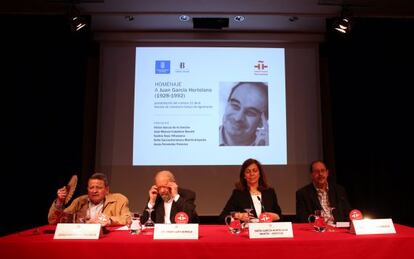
135 226
318 220
234 225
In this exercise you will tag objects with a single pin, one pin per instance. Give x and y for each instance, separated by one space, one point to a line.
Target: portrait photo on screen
245 118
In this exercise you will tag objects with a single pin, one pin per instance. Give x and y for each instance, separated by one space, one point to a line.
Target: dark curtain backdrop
43 79
370 81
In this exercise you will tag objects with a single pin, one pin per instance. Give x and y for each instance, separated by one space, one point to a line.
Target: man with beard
167 199
321 195
245 116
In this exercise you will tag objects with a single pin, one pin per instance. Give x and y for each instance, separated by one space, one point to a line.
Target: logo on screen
260 68
182 67
162 67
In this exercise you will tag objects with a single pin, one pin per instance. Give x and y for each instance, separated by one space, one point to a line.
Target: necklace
255 192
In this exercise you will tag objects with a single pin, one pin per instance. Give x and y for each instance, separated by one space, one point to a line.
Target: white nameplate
77 231
270 230
343 224
176 231
372 226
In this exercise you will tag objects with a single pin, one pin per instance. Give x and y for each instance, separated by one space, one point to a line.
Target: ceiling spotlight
184 18
77 23
293 18
343 23
238 18
129 18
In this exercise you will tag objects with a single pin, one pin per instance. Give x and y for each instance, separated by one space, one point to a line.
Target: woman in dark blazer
252 192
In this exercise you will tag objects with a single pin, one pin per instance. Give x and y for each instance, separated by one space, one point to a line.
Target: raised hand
153 192
61 194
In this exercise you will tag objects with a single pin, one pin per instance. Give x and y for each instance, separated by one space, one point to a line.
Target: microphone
260 200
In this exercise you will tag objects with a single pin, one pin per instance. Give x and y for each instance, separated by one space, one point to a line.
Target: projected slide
209 106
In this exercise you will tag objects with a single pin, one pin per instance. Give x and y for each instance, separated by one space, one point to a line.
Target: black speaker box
210 23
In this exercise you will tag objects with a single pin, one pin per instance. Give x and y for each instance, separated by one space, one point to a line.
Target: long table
214 242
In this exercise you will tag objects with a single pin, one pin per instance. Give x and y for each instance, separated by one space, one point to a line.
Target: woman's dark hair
242 183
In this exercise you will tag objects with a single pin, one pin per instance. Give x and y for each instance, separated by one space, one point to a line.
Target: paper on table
123 228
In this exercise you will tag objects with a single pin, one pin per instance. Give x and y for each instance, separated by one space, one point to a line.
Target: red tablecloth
214 242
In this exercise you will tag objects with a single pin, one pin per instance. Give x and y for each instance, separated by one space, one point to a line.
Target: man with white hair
167 200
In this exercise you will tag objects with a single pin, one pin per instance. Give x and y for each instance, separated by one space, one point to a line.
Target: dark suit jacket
184 204
241 200
307 202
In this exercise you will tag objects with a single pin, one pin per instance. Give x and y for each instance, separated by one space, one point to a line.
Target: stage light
343 23
238 18
129 18
184 18
78 22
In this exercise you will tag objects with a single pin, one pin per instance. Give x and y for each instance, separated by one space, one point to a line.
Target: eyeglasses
323 170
